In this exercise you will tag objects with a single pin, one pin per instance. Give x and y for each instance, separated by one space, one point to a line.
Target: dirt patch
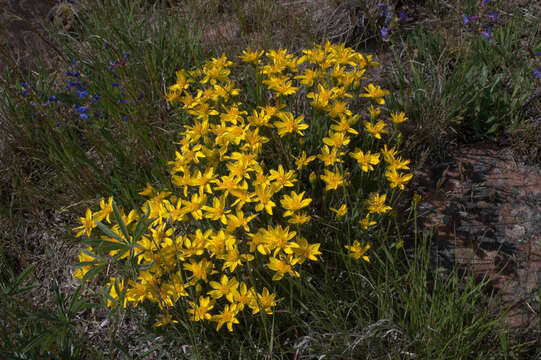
484 209
22 35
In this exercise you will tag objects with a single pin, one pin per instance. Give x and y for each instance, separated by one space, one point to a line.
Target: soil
483 208
20 26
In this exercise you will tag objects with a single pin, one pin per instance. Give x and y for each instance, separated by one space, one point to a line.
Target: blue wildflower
537 73
493 15
82 92
385 31
487 33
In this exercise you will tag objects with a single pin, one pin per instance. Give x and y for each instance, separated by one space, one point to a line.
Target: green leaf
107 231
23 276
120 222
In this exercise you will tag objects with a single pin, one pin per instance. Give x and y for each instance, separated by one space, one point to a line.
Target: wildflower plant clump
256 176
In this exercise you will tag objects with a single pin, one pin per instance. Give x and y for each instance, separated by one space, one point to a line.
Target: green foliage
472 86
43 333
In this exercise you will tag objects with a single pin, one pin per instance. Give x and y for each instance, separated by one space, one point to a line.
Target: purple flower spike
537 73
487 33
385 31
493 15
468 19
403 16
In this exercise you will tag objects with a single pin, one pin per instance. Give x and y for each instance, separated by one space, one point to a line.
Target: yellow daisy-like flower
376 204
398 118
251 56
332 179
366 222
87 224
396 179
341 211
365 160
375 129
376 93
357 251
294 202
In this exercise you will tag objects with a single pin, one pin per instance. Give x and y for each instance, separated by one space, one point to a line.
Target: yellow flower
308 77
245 296
306 251
282 178
374 111
277 239
398 118
343 124
148 191
357 251
366 222
227 316
116 288
217 211
341 211
302 160
252 56
201 311
263 195
226 287
194 206
375 129
365 160
330 157
376 93
199 270
320 99
339 108
281 267
238 220
289 124
87 224
281 85
265 302
376 204
332 179
165 319
232 258
336 139
294 202
299 218
396 179
85 256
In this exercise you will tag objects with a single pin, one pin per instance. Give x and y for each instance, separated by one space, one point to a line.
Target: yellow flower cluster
239 203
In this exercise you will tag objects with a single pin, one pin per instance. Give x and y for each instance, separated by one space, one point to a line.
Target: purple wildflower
385 31
492 15
82 92
82 110
94 99
26 88
468 19
403 15
537 73
487 33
